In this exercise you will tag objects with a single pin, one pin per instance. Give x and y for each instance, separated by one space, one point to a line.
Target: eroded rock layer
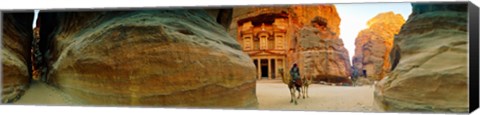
323 59
373 45
172 58
304 14
16 43
430 55
300 15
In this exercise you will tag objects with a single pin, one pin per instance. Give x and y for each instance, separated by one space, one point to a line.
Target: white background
61 4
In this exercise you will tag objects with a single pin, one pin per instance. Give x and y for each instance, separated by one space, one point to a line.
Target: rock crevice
373 45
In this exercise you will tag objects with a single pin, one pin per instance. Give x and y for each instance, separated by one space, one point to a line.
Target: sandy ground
274 95
271 95
43 94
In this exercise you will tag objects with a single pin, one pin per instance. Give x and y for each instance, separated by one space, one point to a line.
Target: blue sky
354 18
35 16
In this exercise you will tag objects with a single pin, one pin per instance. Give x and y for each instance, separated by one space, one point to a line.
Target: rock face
318 48
373 45
301 15
16 42
324 59
319 51
431 74
172 58
304 14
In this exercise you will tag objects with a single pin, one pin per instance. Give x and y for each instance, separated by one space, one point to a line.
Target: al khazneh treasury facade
265 39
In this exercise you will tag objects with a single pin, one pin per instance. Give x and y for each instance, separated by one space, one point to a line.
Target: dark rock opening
45 26
319 21
224 17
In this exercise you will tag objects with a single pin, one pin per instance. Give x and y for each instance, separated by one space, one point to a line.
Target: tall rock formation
321 57
319 51
373 45
305 43
16 44
431 74
172 58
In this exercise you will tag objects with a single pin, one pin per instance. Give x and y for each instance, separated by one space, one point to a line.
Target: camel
292 86
306 81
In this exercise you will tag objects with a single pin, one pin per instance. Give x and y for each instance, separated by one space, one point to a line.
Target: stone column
269 68
259 70
285 68
276 68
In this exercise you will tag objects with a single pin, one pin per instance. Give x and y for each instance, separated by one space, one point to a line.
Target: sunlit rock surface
324 59
373 45
304 14
304 46
301 15
172 58
431 74
16 42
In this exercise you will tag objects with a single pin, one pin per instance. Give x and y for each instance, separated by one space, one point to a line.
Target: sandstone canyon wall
319 51
304 46
431 74
16 43
173 58
373 45
323 59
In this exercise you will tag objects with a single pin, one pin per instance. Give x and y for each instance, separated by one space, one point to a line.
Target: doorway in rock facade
264 68
267 68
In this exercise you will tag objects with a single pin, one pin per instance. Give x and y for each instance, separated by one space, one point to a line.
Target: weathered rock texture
16 43
172 58
324 59
302 39
373 45
431 74
304 14
300 15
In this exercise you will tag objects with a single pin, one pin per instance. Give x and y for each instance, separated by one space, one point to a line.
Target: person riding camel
295 73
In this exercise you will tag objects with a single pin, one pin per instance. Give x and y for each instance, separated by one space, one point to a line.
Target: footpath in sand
43 94
274 95
271 94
